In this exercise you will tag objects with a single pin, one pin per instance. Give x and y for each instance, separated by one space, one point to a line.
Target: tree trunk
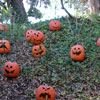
19 10
94 6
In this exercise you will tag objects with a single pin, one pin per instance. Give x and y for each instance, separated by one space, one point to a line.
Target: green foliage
34 13
11 12
82 6
75 79
8 10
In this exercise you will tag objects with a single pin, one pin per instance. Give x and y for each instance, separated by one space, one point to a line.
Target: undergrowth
79 80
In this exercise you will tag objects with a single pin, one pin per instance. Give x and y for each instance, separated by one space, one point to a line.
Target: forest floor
71 80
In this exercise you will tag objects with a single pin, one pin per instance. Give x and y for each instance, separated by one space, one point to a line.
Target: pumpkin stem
51 71
35 26
12 60
30 25
4 32
46 84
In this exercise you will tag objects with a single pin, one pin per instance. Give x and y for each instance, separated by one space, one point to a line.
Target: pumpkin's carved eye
74 48
7 66
48 88
35 49
11 67
43 88
78 48
77 52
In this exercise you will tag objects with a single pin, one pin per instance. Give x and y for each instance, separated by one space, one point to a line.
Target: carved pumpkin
3 27
98 42
77 53
29 35
37 37
54 25
45 93
4 46
11 69
38 50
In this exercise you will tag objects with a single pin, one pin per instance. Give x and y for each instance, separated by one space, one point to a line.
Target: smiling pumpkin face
37 37
54 25
38 50
45 93
77 53
11 69
29 35
4 46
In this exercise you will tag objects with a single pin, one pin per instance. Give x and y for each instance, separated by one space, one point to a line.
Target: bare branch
66 9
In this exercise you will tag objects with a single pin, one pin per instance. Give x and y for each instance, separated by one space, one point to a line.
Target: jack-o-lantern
98 42
3 27
77 53
38 50
29 35
45 93
37 37
4 46
54 25
11 69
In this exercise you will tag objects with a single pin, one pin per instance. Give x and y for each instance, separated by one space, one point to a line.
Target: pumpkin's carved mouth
35 41
45 95
28 36
77 53
9 72
55 26
38 40
40 53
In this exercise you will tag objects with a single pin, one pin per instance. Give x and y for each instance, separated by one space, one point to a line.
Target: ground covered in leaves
71 80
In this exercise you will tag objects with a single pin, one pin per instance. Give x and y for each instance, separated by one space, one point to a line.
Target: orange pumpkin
4 46
45 93
3 27
98 42
37 37
29 35
77 53
38 50
54 25
11 69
